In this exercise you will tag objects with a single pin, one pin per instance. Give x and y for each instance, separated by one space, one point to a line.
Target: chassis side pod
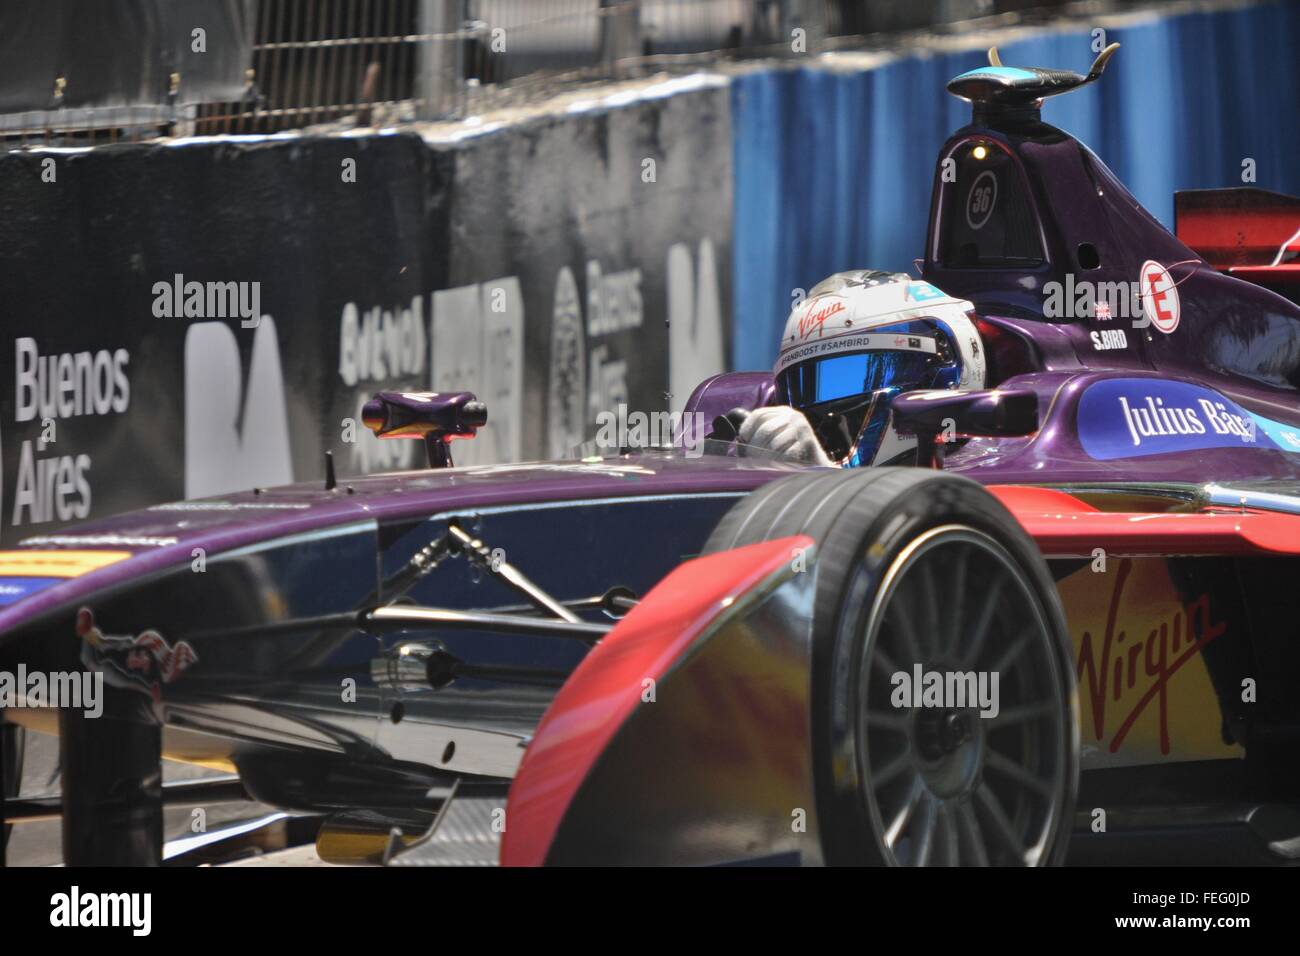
683 737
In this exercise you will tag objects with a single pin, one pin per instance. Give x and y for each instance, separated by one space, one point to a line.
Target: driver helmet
859 339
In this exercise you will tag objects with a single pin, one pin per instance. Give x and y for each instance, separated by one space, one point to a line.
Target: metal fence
389 61
293 64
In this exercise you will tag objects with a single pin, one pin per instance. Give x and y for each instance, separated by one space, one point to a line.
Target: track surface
41 844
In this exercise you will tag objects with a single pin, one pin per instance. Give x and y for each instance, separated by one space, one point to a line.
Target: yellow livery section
1145 695
56 564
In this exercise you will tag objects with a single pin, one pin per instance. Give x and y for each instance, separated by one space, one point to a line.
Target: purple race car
1062 578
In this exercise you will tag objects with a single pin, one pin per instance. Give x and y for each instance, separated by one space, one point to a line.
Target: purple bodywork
236 521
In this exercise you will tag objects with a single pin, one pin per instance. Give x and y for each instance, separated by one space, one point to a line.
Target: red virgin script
1116 669
814 320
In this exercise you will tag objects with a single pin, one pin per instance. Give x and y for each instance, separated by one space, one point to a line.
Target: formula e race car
1053 612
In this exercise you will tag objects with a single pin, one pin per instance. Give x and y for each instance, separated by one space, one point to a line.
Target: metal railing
379 62
350 63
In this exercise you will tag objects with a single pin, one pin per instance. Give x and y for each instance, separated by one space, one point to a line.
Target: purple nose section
435 417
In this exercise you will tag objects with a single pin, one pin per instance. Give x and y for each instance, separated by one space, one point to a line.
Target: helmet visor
843 376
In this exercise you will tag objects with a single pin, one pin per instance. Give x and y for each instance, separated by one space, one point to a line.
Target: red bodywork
607 686
1249 233
1063 526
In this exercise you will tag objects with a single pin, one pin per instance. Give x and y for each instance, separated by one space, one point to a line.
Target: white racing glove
784 431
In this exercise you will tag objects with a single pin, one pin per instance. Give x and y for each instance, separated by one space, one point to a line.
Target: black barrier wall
192 319
614 228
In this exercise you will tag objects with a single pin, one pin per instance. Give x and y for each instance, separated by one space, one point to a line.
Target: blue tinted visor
845 376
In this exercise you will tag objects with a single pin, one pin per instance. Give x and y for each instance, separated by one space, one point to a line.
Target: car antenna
330 481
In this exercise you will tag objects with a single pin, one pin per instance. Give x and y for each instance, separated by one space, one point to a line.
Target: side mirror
993 412
435 417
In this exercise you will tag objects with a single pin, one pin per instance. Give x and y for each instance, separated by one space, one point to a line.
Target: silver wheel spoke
971 827
911 646
933 643
900 820
1002 828
886 774
981 629
925 840
1017 772
883 660
951 838
950 644
1013 649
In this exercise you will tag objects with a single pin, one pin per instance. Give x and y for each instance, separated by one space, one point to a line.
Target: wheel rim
942 784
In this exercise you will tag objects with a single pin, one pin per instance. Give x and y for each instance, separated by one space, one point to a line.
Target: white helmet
862 337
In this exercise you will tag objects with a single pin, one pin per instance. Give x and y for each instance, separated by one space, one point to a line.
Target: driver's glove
784 431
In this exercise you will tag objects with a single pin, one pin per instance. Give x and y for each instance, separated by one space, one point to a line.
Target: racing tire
920 567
